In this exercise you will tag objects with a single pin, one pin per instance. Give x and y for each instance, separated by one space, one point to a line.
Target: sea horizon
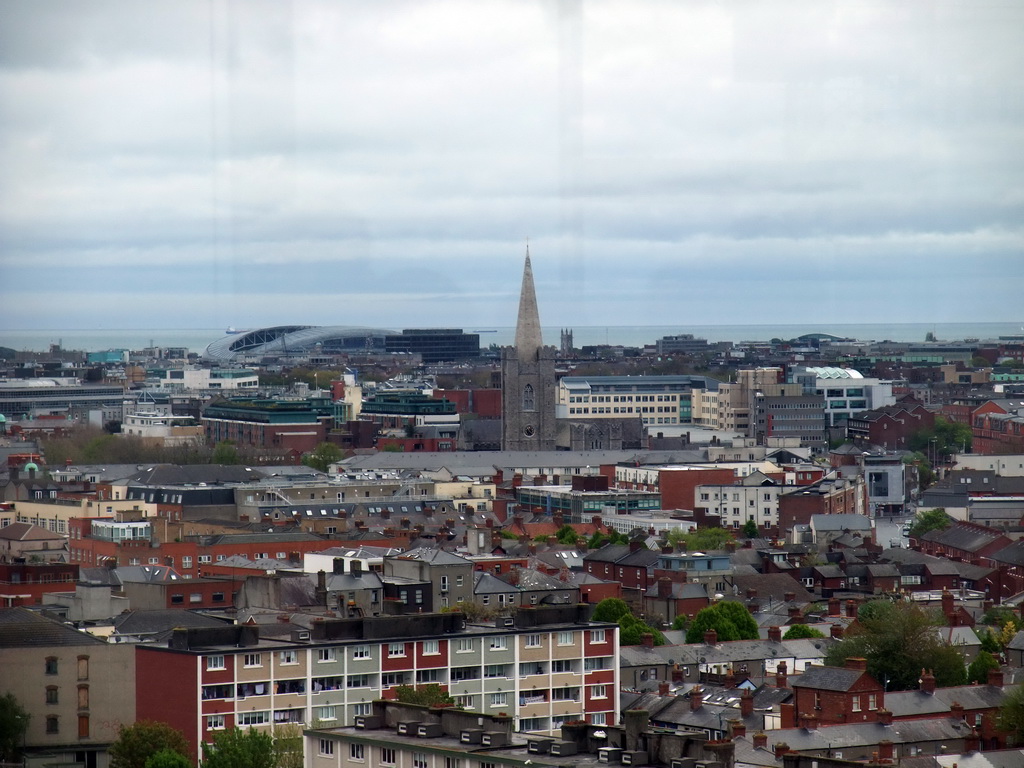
197 339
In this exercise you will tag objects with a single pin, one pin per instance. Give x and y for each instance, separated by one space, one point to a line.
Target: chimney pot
760 740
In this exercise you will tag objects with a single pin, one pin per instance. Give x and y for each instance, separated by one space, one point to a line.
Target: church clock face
528 430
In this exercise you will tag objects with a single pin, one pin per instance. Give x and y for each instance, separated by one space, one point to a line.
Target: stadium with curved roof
296 339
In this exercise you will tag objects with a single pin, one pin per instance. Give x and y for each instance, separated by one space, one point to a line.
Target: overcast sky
177 163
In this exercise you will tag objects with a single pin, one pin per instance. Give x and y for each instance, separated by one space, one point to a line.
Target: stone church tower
528 380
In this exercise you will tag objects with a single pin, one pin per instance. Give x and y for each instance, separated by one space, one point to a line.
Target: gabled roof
28 532
435 556
829 678
158 622
966 537
194 474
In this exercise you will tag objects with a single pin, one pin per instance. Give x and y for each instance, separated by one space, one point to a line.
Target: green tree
322 457
801 632
168 758
750 529
567 535
898 639
978 670
943 440
138 742
225 452
599 539
431 695
14 720
610 609
632 631
1011 715
680 621
288 746
730 620
236 748
930 520
989 640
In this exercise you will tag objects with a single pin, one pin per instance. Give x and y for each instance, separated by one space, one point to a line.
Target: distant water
196 339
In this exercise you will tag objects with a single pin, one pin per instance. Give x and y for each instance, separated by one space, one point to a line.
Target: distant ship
481 330
232 329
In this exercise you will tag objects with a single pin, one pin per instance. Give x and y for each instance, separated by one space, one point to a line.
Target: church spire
528 337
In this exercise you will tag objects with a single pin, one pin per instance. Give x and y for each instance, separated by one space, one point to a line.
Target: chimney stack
851 609
760 740
971 742
696 698
711 637
663 689
995 677
780 675
833 606
737 728
885 751
927 682
884 716
664 588
781 748
857 662
836 631
746 703
648 639
775 634
956 709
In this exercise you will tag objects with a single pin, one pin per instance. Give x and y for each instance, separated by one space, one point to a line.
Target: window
83 726
326 747
83 697
565 638
51 665
562 665
532 641
599 718
429 676
327 713
326 654
177 599
186 561
464 702
872 701
499 643
463 645
253 660
496 670
288 657
598 636
565 694
387 756
599 692
453 762
358 681
529 399
362 708
396 649
204 558
215 722
215 662
600 662
458 580
499 699
388 679
856 704
357 752
360 652
444 583
431 647
51 694
261 717
52 724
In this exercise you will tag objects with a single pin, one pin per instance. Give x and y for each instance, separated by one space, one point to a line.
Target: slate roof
1011 555
774 586
971 697
866 734
434 556
964 536
844 522
22 628
159 623
828 678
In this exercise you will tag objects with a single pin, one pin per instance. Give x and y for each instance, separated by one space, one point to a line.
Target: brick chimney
794 612
789 597
663 689
711 637
885 751
995 677
760 740
635 545
751 593
729 681
851 609
856 662
884 716
781 748
746 703
775 634
696 698
780 675
927 682
677 674
956 709
947 603
972 741
833 606
736 729
809 721
836 631
648 639
664 587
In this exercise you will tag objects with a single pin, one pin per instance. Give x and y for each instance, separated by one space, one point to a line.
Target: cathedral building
528 379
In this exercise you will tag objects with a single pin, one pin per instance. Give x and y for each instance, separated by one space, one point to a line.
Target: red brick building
834 695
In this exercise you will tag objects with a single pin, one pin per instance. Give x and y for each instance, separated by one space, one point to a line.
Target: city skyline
183 165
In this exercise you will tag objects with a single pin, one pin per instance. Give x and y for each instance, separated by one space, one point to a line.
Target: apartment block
657 400
547 666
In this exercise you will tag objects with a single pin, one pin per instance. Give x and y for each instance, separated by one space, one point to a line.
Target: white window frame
396 650
215 662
